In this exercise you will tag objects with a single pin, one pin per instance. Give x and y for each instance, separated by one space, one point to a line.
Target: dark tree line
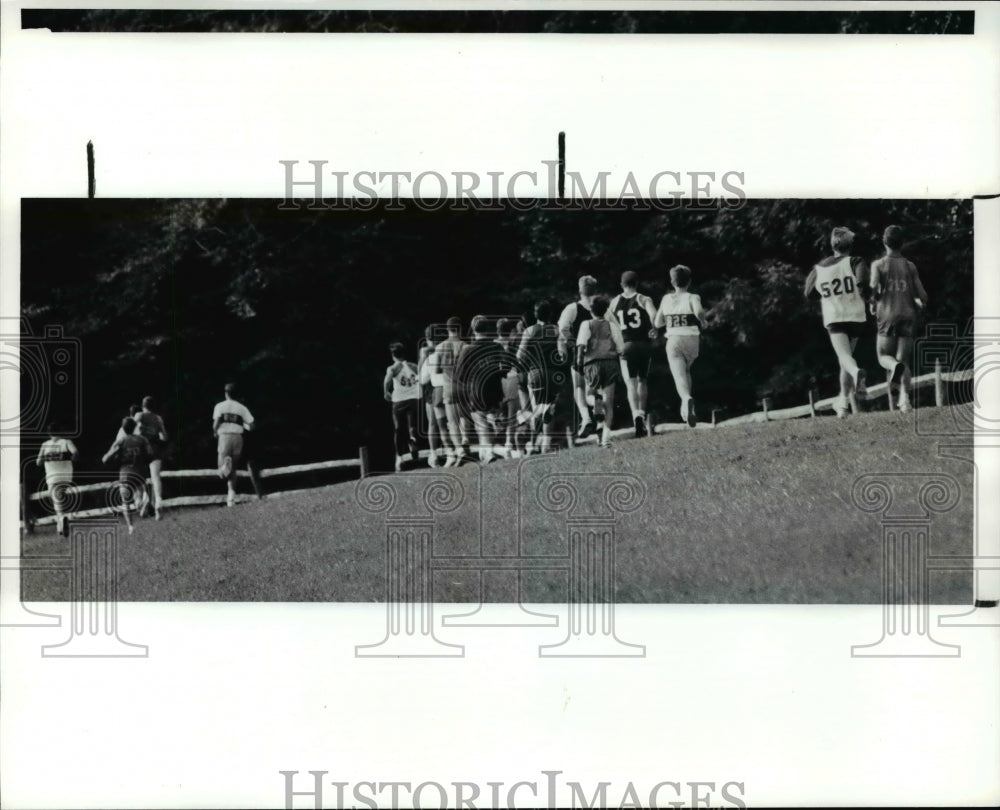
176 297
628 21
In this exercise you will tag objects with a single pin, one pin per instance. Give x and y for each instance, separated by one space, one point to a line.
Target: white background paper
232 694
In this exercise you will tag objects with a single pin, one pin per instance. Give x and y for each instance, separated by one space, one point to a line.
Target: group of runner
524 384
848 291
529 383
542 380
139 448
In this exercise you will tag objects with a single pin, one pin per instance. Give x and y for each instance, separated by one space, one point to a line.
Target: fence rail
936 379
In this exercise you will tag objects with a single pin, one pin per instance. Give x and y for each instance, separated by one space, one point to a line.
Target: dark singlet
582 314
132 452
633 318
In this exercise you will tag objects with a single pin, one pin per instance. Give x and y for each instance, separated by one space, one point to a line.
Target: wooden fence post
812 403
363 457
766 403
29 524
938 384
715 413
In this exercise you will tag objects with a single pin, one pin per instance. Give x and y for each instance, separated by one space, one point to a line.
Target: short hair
505 326
230 388
587 285
630 278
134 409
480 325
454 323
893 237
398 350
52 428
148 402
680 275
599 306
842 239
128 425
543 311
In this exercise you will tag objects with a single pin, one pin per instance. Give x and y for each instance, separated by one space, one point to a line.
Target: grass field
758 513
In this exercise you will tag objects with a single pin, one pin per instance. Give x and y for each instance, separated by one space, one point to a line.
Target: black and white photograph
610 378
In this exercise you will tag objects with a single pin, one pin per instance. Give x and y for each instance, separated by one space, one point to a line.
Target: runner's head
505 328
429 339
52 429
543 312
128 425
134 409
587 285
893 237
230 390
600 306
480 326
842 240
397 350
630 280
454 325
148 403
680 276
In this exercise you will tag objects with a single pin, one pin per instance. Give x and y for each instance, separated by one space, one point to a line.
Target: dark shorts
437 397
602 373
637 355
548 382
427 394
157 449
853 329
897 327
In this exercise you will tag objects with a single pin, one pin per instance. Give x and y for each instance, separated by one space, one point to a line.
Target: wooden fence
937 379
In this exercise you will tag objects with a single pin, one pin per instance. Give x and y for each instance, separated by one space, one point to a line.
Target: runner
478 376
402 390
900 295
537 355
133 453
506 336
635 314
570 321
229 421
424 362
599 347
449 351
57 455
682 317
149 425
841 282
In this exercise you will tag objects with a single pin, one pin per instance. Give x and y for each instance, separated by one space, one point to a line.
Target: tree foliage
176 297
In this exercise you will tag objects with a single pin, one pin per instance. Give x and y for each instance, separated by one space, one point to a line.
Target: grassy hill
759 513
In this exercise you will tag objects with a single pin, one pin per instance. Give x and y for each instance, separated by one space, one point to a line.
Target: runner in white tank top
682 318
841 282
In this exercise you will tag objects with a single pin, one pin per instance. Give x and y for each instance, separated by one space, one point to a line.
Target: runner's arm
918 286
699 310
565 325
387 384
582 339
616 336
115 445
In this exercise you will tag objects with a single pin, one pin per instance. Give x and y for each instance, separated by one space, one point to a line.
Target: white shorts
683 347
